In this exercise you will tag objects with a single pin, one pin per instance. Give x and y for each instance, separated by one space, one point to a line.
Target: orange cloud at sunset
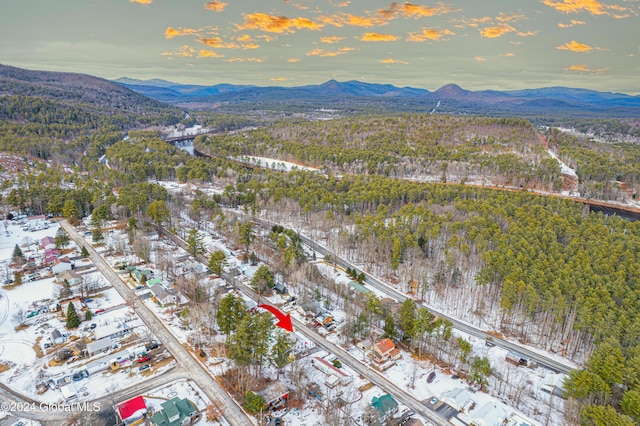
378 37
480 58
217 43
592 6
293 60
498 31
393 61
329 53
331 40
582 68
141 1
215 5
428 34
345 19
574 46
175 32
209 54
572 23
276 24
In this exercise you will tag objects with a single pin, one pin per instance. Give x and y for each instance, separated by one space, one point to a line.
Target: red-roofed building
385 350
48 243
132 412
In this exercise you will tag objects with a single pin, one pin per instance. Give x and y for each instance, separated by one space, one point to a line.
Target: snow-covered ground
271 163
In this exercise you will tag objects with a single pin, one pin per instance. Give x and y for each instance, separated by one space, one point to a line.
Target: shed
68 392
56 337
274 394
358 287
280 288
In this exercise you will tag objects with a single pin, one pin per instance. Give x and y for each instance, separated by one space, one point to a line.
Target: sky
477 44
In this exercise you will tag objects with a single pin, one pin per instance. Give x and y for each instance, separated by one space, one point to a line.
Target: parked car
92 326
152 346
144 358
433 401
88 300
99 311
144 367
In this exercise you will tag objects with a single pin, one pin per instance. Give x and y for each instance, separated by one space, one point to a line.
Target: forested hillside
47 114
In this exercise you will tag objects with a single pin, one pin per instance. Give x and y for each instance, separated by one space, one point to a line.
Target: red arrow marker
284 321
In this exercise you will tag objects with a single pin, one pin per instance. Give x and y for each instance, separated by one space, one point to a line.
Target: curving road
203 378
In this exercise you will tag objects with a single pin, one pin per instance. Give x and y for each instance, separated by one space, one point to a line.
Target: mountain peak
451 91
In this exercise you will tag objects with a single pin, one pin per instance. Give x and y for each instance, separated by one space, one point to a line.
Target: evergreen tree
73 321
17 256
217 262
195 243
254 403
88 315
280 351
96 235
61 238
84 252
389 327
263 279
408 318
71 211
230 311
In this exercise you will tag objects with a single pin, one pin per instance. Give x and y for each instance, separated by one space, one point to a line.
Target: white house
100 346
331 370
60 265
162 295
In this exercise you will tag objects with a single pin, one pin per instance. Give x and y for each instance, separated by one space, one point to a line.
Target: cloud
480 58
526 33
141 1
331 40
184 51
176 32
339 4
509 54
378 37
514 17
594 7
409 10
393 61
572 23
215 5
574 46
278 79
293 60
343 19
330 53
233 60
276 24
217 43
209 54
429 34
498 31
582 68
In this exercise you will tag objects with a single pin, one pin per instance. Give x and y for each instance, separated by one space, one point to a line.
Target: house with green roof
138 273
385 407
176 412
151 282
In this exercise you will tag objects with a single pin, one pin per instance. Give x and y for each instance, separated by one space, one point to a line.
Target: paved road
346 358
39 413
203 378
395 294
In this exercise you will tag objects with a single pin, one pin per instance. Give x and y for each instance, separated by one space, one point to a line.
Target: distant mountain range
548 101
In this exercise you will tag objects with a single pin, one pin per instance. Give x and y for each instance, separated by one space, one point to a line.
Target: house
61 264
385 407
162 295
275 395
138 273
280 288
331 370
364 345
101 345
459 399
176 412
554 384
133 411
358 287
492 413
70 276
111 330
48 243
56 337
385 350
312 308
154 281
69 392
